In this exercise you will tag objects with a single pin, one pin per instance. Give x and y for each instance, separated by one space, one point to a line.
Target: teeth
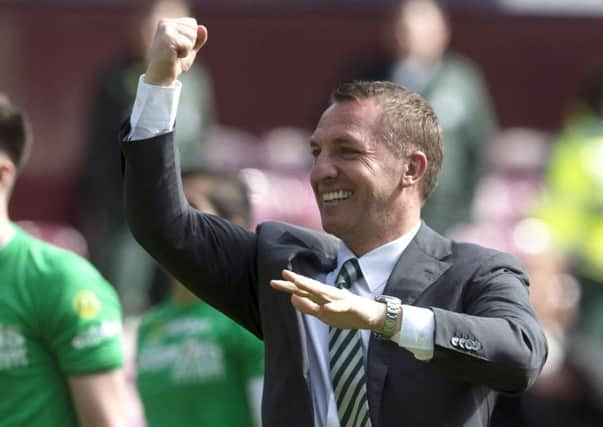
336 195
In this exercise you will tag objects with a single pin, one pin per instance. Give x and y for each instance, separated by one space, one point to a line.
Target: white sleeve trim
417 332
154 110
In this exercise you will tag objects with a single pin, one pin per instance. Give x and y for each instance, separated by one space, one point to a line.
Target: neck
361 246
5 227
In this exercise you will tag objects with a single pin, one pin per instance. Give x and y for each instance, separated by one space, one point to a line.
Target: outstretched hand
336 307
174 48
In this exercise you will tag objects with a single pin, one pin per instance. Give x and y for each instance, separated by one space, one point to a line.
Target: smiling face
357 180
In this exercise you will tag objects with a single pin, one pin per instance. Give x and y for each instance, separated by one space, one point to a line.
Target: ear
414 169
8 172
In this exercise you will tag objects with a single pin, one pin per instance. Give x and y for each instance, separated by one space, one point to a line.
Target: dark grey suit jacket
487 337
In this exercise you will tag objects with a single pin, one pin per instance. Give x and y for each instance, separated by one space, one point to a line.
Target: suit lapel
313 255
320 250
419 266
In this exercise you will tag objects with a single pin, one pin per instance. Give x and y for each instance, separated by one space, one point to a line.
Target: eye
315 151
349 152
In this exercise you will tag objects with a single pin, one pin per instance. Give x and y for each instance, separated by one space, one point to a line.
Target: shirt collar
378 264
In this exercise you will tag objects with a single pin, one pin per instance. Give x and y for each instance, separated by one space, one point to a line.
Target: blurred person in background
112 249
572 202
455 89
60 321
569 391
195 366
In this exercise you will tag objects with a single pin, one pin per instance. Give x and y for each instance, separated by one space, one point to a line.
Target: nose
323 168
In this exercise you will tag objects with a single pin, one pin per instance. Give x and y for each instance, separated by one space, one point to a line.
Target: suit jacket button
478 346
470 345
454 341
462 343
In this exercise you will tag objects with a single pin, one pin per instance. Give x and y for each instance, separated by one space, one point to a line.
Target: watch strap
393 307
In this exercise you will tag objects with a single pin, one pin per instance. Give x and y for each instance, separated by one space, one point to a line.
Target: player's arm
250 350
80 318
99 399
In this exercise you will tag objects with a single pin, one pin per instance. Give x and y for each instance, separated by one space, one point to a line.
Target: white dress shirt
154 113
416 334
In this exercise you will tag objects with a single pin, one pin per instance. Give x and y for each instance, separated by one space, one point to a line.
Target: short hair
15 134
227 193
407 122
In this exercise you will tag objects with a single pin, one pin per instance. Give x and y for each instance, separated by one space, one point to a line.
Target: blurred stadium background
273 63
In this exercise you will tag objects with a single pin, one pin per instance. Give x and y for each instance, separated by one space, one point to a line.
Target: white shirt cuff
154 110
417 331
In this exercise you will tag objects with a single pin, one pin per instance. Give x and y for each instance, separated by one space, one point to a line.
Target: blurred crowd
536 194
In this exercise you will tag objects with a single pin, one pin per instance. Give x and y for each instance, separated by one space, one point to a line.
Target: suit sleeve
214 258
496 340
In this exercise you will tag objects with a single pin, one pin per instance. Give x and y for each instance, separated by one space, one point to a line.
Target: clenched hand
174 48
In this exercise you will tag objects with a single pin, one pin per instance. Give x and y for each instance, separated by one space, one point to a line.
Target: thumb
201 37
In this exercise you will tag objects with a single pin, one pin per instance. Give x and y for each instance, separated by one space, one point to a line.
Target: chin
329 227
337 230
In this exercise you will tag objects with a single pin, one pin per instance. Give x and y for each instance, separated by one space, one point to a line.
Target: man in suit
388 323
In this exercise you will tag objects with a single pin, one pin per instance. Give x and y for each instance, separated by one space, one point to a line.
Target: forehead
356 120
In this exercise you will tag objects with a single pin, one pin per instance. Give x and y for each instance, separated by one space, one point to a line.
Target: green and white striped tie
346 362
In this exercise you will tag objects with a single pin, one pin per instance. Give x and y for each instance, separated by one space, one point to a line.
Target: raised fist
173 50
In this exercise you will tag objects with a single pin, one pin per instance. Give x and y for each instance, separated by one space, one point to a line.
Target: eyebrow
347 139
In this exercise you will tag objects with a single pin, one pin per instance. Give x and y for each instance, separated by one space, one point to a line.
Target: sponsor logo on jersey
86 304
13 351
190 361
186 326
96 334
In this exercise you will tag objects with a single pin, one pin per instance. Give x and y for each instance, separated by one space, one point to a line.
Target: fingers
336 313
310 285
174 47
184 26
300 299
293 289
180 34
188 28
197 34
319 292
288 287
183 46
306 305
